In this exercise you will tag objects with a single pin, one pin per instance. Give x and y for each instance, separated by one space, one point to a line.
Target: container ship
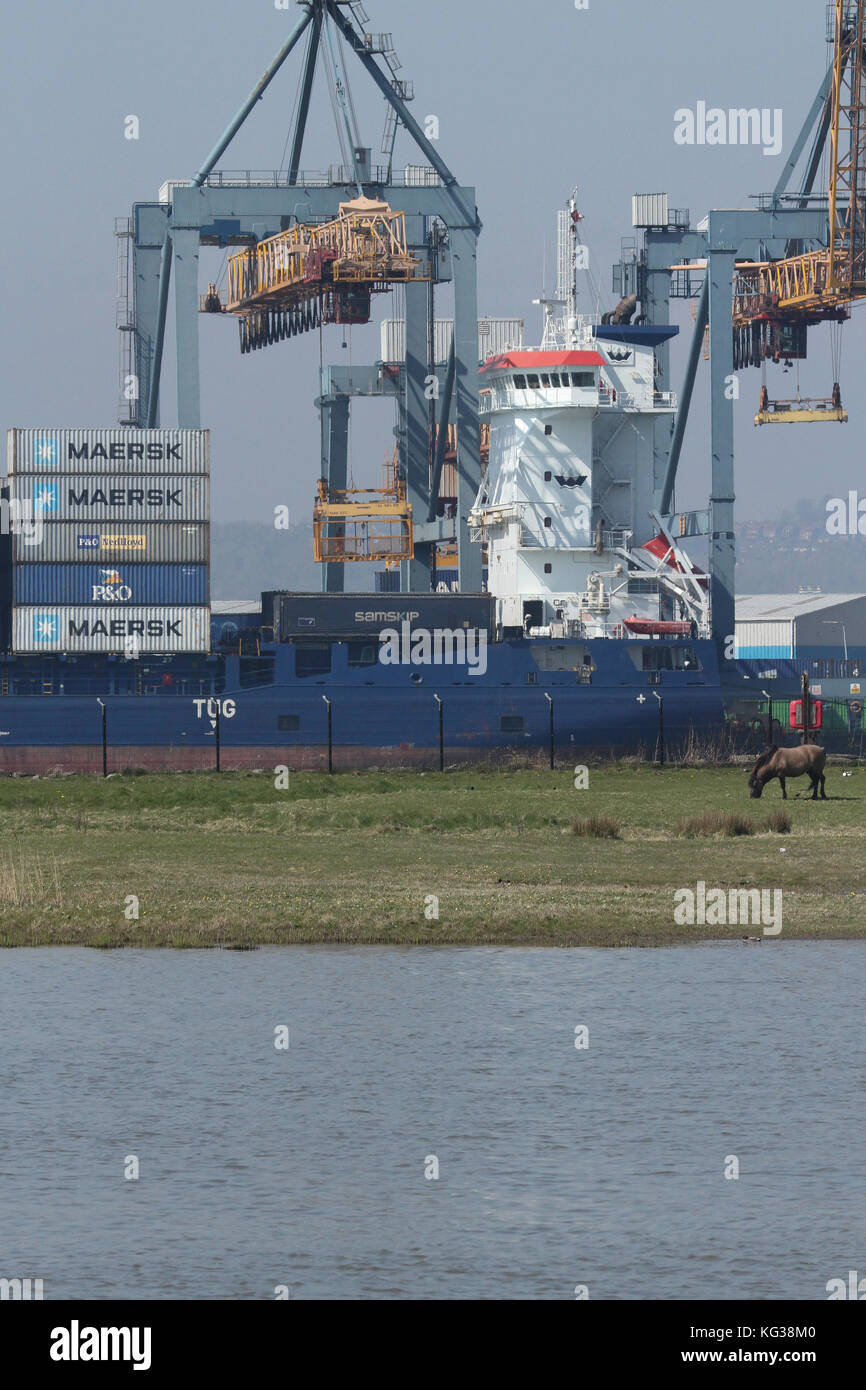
592 633
578 621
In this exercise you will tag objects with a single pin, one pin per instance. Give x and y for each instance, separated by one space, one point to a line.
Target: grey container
49 451
113 497
345 615
62 542
85 628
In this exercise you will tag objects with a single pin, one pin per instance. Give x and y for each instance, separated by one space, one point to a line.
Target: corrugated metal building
800 625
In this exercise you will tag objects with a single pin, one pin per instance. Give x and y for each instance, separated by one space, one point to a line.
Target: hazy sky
532 98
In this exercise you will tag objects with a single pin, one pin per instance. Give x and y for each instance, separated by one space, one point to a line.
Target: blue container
111 583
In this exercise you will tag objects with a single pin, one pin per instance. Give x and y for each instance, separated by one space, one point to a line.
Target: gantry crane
732 251
285 213
777 301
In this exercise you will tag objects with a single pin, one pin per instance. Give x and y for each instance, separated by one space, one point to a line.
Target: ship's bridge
544 380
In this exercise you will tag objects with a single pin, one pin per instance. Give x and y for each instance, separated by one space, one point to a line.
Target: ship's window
547 475
520 382
554 378
363 654
313 659
548 569
257 671
545 379
533 382
565 656
664 656
548 521
548 429
288 723
643 586
583 378
511 723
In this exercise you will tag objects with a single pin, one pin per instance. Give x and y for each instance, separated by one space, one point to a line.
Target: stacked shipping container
110 540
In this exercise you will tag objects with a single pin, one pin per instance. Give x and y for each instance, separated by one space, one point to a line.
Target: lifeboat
647 627
659 547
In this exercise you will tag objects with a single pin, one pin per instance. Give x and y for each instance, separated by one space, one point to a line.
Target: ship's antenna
569 224
559 331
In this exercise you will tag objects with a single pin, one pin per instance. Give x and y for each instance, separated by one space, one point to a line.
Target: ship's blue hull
265 710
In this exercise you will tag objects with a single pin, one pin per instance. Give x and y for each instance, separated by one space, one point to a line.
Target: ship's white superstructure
566 505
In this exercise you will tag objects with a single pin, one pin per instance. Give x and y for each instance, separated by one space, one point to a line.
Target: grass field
230 860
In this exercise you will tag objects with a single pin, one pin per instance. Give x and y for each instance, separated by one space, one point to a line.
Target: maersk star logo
46 453
46 627
45 497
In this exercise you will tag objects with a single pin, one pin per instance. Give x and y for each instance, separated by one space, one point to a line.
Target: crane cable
348 88
295 109
341 138
340 90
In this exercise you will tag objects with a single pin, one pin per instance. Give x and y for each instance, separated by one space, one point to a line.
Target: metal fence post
441 734
549 699
330 735
104 736
660 741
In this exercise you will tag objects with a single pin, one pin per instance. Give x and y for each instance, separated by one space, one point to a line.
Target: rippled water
557 1167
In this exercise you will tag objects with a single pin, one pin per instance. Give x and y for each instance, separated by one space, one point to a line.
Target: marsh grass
598 828
29 882
711 823
219 861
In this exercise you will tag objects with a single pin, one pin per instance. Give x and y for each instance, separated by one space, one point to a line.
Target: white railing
616 540
609 396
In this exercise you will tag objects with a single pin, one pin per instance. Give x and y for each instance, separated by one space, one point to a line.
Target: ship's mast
560 312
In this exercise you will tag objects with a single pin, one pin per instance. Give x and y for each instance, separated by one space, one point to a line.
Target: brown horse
789 762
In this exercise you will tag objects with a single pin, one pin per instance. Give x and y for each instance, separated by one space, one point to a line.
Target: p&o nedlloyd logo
112 589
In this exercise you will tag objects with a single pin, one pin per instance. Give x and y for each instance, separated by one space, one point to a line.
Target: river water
310 1169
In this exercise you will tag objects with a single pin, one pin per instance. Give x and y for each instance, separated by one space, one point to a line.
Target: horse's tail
763 759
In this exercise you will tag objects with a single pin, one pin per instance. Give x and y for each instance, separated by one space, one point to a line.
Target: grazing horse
789 762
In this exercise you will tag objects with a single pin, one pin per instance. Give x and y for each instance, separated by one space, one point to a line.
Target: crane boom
821 285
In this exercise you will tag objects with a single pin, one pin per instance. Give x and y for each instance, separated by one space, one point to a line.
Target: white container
62 542
50 451
649 210
494 336
757 639
97 498
50 628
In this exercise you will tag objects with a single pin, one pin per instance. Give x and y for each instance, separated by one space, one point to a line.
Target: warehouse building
786 626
